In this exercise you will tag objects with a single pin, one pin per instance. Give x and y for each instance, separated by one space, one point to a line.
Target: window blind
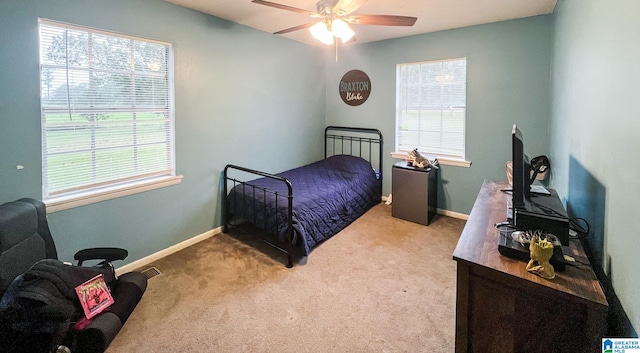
431 108
107 109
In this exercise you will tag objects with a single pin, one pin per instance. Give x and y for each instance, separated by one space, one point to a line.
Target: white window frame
157 173
442 81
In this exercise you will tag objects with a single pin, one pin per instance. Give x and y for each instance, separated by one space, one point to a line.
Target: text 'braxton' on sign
355 87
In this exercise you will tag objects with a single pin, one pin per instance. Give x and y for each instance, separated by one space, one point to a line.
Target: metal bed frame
353 141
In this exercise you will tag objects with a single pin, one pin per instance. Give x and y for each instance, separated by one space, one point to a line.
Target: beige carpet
380 285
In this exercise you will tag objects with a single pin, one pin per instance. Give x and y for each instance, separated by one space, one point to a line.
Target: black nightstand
414 194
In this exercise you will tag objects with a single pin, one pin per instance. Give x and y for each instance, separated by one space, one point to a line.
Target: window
107 111
431 108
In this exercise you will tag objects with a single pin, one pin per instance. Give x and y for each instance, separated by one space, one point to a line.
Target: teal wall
239 99
508 66
594 127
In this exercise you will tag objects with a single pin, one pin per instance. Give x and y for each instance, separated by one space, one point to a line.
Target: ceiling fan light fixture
320 32
342 30
339 29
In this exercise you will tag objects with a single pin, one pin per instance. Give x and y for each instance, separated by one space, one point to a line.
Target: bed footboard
237 216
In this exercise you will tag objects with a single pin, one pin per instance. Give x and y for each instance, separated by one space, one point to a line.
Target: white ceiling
433 15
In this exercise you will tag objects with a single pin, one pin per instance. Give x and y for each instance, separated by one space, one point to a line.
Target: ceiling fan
333 19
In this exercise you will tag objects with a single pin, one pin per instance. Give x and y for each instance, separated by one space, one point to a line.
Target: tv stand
501 307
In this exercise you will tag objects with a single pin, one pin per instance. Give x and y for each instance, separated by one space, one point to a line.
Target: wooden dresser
500 307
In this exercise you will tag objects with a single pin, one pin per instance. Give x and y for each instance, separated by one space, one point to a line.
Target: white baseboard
166 252
453 214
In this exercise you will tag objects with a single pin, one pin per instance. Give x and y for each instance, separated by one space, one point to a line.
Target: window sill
441 160
81 199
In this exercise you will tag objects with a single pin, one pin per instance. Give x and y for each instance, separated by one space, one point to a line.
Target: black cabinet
414 193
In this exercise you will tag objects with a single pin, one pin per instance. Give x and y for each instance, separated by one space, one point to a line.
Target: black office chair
43 322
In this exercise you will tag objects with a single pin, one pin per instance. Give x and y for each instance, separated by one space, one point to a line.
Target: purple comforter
327 196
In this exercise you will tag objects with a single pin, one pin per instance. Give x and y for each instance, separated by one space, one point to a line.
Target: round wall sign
355 87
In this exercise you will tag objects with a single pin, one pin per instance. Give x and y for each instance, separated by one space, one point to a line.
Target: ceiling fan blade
345 7
307 25
283 7
381 20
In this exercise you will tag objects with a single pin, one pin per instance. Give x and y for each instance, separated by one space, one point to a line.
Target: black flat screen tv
521 187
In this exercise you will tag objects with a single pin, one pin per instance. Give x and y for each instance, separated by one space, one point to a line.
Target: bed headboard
355 141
